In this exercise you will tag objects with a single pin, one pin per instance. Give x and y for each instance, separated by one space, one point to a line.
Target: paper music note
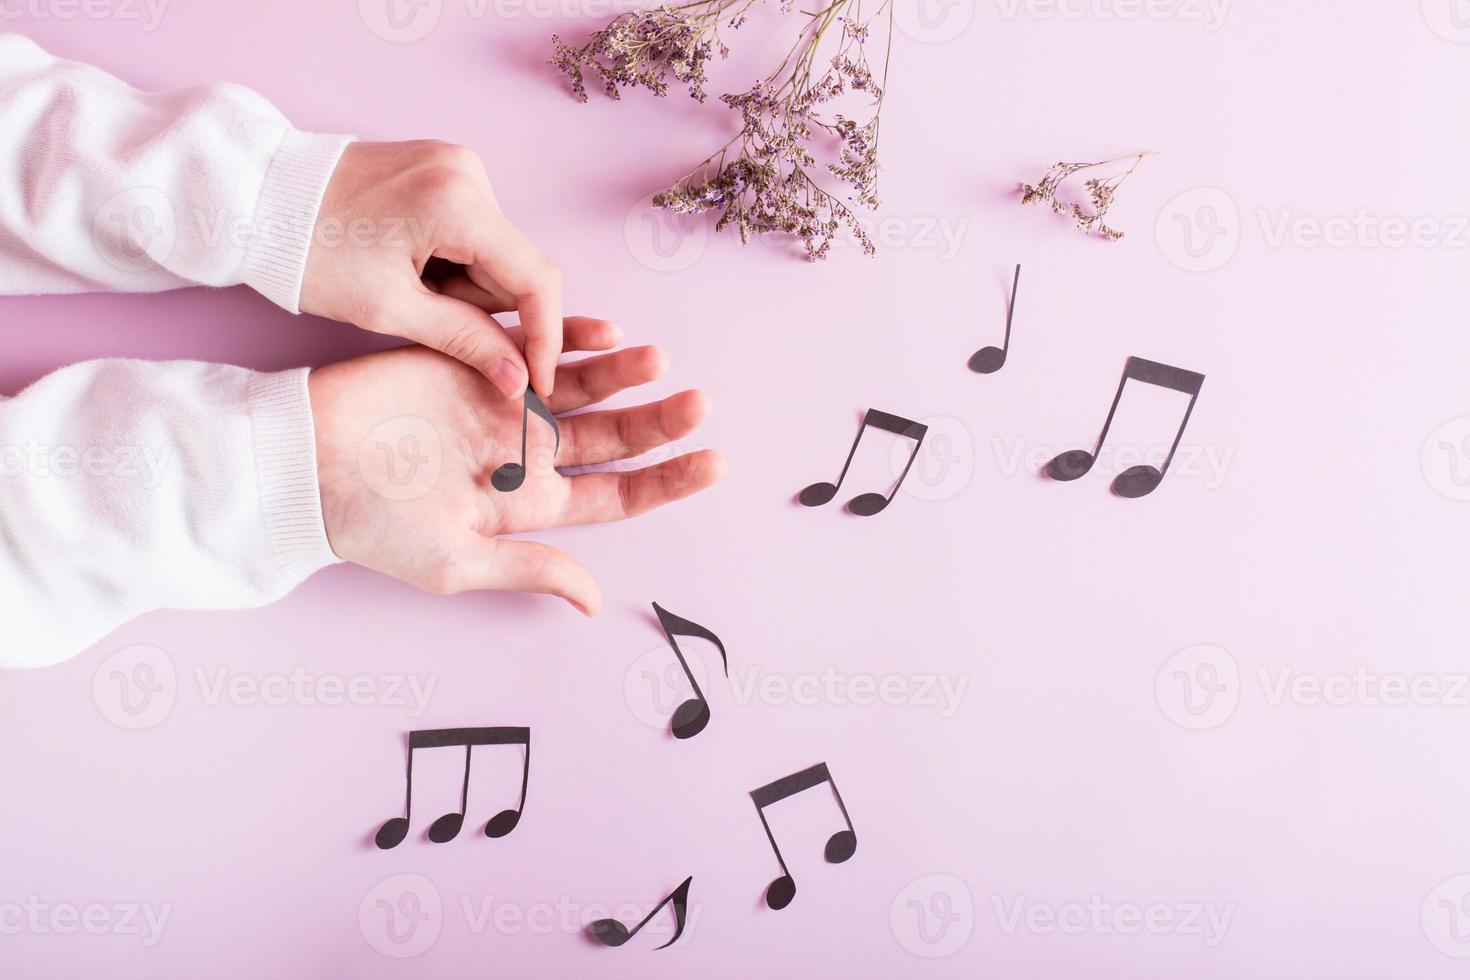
690 717
868 504
510 476
447 827
840 846
611 932
1136 481
988 360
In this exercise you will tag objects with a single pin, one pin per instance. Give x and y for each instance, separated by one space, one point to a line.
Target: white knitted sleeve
106 188
127 486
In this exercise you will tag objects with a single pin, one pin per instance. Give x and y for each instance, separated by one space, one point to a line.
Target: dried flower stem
766 184
1101 191
641 48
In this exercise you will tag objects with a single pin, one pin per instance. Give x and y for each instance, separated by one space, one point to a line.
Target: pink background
1331 540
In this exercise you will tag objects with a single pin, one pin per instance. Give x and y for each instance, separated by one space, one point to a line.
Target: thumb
526 566
466 333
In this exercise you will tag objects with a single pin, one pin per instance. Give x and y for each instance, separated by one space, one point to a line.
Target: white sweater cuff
290 199
285 460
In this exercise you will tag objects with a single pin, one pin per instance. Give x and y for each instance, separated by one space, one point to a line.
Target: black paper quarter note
1136 481
840 846
447 827
691 716
988 360
868 504
611 932
510 476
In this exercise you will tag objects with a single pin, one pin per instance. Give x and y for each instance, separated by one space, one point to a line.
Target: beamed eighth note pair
1136 481
688 720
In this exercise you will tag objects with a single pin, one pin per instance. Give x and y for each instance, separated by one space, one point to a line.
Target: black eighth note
691 716
1136 481
447 827
868 504
510 476
840 846
988 360
611 932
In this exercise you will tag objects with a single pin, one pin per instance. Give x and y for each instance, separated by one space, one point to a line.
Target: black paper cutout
1136 481
447 827
611 932
510 476
840 846
988 360
868 504
690 717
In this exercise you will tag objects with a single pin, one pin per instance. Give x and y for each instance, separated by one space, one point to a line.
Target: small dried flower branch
761 181
1101 191
641 48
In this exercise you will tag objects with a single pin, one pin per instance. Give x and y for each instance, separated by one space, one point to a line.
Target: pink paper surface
1216 732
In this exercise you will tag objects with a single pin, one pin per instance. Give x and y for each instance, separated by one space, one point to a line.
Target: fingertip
589 604
543 377
590 333
508 378
715 464
651 361
683 412
700 406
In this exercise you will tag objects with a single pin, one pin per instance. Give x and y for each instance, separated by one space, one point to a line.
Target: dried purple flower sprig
761 181
641 48
1100 190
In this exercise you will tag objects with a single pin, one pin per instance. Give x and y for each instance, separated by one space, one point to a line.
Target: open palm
409 439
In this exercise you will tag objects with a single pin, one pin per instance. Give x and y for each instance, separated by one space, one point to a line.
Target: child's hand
389 209
407 440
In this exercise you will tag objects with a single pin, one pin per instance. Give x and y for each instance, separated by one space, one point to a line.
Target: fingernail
508 378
